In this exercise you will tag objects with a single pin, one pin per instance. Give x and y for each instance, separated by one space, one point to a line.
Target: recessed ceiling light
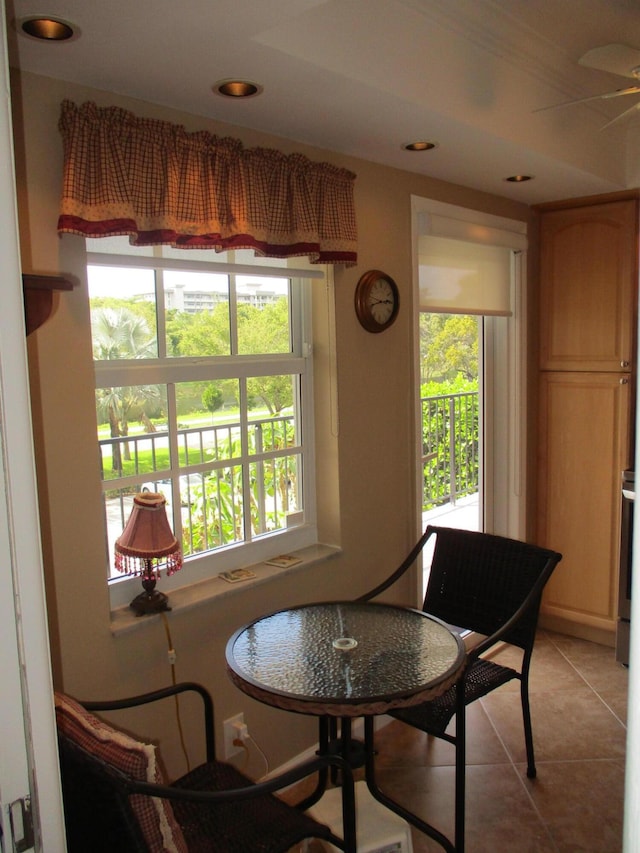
519 179
47 29
421 145
237 88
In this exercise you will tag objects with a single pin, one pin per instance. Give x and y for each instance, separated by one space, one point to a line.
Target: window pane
271 396
132 430
273 428
214 516
275 492
269 434
117 507
197 313
207 421
263 315
123 313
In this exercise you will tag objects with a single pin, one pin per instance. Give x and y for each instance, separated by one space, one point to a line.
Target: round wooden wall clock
376 301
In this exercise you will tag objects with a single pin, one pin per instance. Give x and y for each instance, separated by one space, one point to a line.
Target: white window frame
120 373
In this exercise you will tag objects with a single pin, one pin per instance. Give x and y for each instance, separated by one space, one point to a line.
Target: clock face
381 301
376 301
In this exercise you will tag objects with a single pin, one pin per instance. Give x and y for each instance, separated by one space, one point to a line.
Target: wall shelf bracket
38 297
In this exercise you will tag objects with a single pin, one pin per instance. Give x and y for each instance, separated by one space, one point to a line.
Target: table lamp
145 546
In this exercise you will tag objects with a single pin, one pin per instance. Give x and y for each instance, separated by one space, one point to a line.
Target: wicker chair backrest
478 581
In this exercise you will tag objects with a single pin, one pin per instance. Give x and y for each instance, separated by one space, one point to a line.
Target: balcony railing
220 486
450 462
450 448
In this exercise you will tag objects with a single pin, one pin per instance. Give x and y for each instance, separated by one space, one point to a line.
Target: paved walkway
464 515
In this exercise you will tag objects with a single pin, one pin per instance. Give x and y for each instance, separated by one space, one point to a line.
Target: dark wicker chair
491 586
215 806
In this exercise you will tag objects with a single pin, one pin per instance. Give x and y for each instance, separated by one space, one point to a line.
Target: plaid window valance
155 182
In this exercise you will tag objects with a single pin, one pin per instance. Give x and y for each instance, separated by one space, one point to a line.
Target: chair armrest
163 693
402 568
253 789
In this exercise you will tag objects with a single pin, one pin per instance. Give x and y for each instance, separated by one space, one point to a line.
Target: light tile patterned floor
578 705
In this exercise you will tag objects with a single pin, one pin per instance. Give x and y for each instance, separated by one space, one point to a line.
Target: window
203 393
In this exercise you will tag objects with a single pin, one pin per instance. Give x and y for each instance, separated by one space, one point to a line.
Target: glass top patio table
345 659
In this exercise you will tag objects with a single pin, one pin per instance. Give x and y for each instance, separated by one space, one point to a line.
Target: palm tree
119 333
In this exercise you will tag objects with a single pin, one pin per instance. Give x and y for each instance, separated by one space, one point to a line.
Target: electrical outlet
231 729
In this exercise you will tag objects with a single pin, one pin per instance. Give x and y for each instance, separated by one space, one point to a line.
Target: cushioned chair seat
251 825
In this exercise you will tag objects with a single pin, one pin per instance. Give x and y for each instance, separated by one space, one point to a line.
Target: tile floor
578 706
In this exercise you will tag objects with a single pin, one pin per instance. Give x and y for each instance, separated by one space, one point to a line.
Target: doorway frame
505 485
29 758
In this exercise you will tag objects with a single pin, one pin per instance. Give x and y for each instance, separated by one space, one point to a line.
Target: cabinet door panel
588 276
584 439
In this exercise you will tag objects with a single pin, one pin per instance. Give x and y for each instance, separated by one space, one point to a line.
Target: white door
28 755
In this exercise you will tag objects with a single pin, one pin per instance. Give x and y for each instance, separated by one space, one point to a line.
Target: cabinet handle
624 381
624 364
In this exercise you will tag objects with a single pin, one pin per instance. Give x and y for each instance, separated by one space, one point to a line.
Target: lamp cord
172 657
263 756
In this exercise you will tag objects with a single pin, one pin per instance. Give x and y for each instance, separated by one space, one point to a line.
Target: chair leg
528 732
461 737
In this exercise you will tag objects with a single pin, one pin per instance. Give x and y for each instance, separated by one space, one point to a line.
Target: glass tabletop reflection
344 658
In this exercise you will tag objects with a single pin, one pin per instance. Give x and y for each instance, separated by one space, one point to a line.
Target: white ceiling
363 77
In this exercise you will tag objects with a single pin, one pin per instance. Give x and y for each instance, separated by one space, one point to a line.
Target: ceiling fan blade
626 113
630 90
614 58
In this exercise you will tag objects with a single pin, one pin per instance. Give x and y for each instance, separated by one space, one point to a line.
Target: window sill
123 620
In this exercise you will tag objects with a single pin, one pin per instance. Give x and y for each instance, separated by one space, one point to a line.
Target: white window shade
459 277
463 226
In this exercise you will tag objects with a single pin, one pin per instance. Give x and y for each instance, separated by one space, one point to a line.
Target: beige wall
373 490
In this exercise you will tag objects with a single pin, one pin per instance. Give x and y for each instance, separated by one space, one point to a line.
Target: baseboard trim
559 625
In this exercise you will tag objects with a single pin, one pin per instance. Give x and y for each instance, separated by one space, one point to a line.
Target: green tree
275 392
264 330
448 346
429 327
203 334
121 333
143 308
212 398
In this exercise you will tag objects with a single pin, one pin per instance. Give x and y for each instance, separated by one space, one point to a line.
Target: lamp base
150 602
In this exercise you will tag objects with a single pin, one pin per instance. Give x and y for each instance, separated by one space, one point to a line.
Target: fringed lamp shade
145 547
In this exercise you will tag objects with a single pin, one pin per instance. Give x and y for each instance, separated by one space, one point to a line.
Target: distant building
180 297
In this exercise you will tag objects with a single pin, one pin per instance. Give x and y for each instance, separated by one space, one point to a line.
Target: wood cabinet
588 296
584 435
588 277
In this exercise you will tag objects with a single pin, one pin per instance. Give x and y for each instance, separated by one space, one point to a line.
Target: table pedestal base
378 829
354 751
